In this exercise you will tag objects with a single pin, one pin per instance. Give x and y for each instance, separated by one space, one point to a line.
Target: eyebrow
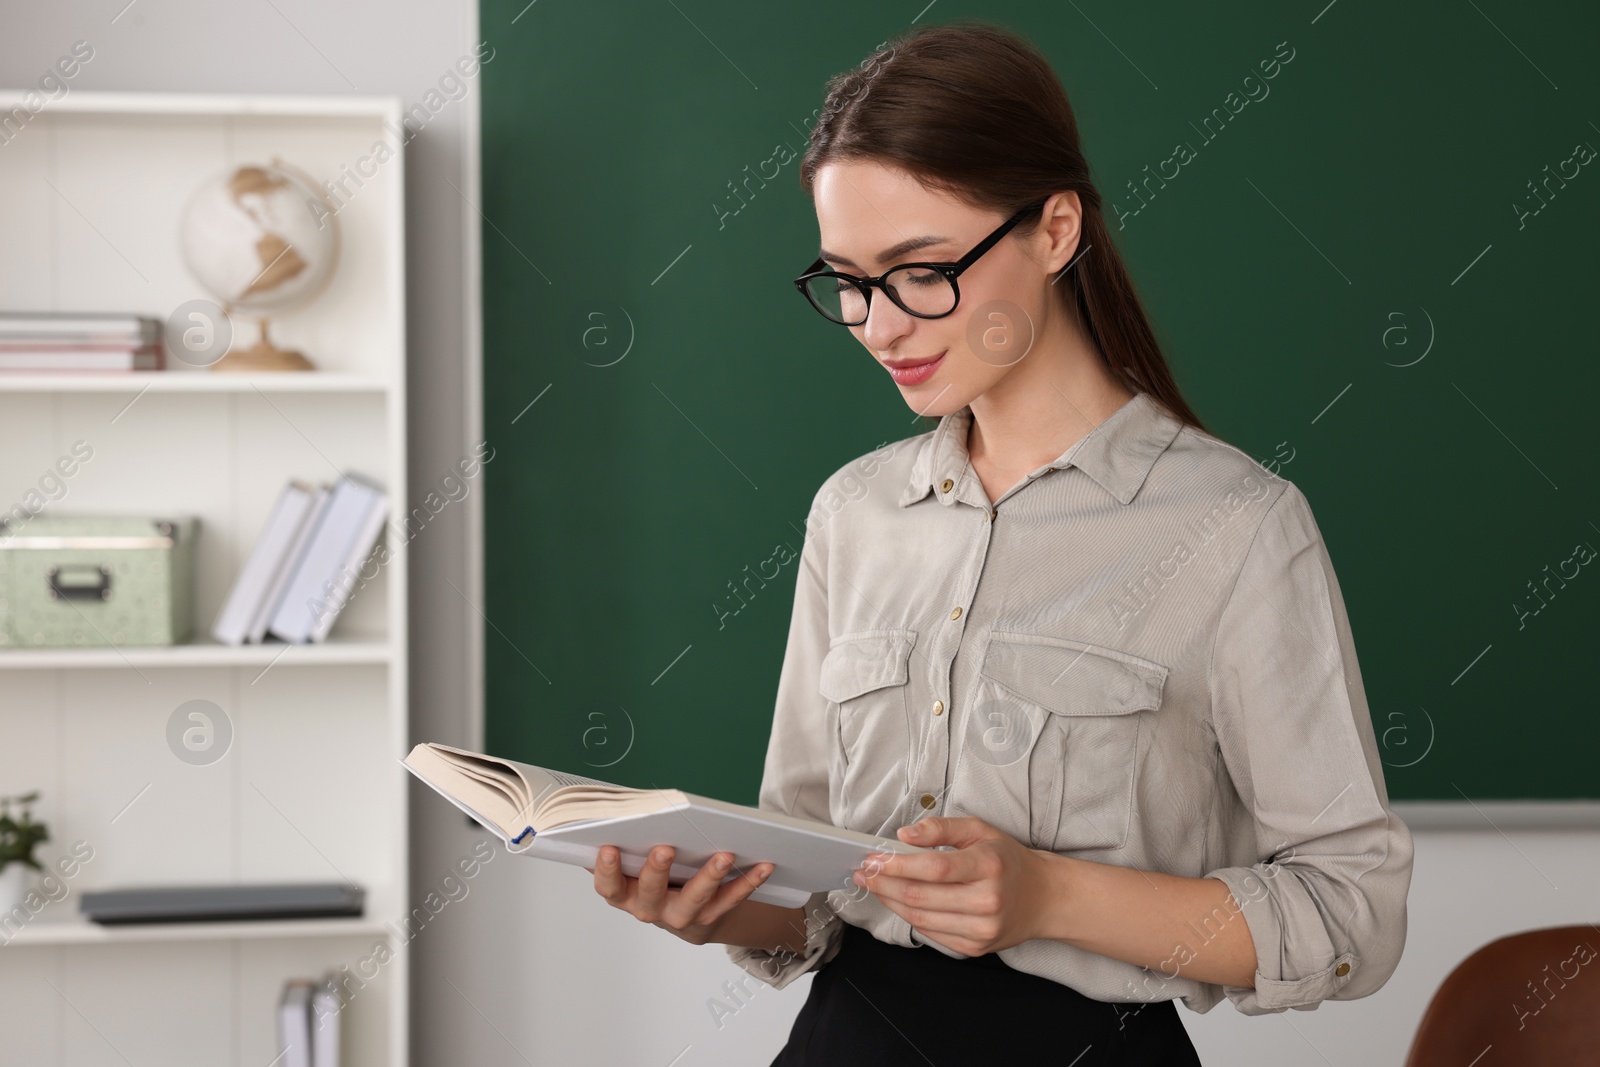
888 254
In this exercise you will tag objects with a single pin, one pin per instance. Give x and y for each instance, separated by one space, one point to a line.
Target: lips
914 372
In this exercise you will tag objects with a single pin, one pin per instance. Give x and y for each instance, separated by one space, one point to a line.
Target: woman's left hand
986 894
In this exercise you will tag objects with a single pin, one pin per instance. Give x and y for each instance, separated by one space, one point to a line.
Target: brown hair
976 112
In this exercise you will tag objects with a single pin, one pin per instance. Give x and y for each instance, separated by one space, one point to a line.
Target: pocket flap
1073 677
859 663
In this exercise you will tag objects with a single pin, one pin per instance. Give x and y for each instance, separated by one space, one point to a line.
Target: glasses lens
839 300
923 291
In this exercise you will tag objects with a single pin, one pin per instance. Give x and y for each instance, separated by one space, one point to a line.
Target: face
865 210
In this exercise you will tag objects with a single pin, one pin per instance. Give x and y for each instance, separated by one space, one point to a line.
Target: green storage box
97 580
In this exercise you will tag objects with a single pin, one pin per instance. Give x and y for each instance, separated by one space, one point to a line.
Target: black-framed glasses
926 290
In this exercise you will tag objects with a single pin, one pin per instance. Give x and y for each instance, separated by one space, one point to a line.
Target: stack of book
78 341
308 1022
306 564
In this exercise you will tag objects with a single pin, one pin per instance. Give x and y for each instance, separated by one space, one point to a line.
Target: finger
651 894
609 881
933 896
734 892
964 933
957 865
958 830
684 906
718 897
968 946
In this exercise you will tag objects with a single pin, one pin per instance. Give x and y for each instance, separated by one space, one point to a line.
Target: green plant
18 836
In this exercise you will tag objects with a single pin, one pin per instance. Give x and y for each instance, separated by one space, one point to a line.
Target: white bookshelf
311 788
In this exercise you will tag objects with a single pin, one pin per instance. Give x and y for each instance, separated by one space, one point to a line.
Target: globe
261 239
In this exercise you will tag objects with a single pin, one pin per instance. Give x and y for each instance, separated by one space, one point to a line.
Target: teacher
1092 656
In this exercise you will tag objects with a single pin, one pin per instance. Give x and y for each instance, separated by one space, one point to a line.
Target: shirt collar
1117 454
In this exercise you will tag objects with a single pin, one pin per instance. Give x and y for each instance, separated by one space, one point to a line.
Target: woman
1093 657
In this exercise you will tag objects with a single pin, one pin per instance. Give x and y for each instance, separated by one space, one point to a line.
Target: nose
886 323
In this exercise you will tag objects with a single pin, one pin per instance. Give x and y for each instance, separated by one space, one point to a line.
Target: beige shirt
1138 655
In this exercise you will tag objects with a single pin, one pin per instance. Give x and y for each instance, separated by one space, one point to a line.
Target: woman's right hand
690 912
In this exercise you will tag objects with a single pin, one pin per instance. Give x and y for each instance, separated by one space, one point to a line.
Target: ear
1062 230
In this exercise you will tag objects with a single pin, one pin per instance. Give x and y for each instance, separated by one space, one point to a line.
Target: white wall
529 966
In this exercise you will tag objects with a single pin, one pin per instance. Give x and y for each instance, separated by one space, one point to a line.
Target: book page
516 795
576 779
495 796
580 803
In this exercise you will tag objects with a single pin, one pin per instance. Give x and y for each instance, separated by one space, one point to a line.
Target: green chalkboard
1367 278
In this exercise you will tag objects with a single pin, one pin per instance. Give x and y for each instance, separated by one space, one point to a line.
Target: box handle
79 587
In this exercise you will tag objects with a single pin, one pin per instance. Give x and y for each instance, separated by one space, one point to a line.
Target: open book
567 818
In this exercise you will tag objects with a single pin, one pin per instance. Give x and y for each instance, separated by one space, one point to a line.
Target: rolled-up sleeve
1326 902
795 776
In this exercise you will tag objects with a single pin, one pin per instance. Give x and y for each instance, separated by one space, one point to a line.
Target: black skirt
888 1005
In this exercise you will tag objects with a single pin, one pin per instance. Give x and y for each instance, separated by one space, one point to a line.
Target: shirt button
992 513
938 707
1342 970
955 613
945 485
927 800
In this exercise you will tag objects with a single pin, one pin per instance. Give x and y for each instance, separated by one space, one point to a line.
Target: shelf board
80 931
158 381
254 105
335 650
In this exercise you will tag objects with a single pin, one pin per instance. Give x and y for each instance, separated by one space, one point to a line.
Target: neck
1059 392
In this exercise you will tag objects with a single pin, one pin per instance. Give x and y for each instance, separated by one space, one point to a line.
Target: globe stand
263 356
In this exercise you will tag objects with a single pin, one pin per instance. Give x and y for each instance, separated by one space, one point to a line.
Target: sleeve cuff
777 968
1271 995
1275 990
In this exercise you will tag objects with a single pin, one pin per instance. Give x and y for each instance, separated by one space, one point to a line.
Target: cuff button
1342 970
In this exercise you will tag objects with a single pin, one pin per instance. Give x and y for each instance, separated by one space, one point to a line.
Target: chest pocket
1074 749
864 674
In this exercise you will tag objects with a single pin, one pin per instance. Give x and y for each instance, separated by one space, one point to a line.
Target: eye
919 277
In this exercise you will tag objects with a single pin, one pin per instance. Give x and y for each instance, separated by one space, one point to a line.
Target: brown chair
1528 1000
